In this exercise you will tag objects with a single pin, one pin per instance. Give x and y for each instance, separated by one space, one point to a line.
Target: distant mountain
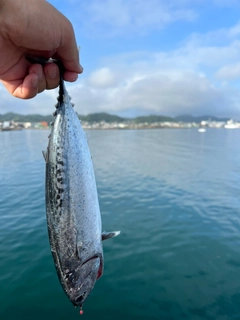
189 118
152 118
25 118
102 116
94 117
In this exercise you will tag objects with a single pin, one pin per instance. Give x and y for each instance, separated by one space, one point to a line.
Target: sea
175 196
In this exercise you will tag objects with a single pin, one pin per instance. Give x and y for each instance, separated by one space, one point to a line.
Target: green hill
25 118
102 116
152 118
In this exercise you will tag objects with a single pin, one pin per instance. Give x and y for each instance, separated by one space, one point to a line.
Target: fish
72 206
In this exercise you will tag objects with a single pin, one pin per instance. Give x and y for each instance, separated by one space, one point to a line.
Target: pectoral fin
108 235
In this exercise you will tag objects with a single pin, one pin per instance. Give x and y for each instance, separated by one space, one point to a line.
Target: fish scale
72 208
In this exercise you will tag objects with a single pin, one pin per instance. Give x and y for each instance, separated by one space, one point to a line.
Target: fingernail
74 77
40 74
52 73
35 82
81 68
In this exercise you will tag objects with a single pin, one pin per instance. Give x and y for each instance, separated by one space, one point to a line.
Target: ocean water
175 196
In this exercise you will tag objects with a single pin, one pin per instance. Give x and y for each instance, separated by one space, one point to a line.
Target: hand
35 28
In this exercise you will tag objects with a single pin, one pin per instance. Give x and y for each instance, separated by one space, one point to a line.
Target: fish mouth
90 270
79 300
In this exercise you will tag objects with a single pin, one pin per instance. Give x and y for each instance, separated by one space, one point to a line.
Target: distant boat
201 130
231 125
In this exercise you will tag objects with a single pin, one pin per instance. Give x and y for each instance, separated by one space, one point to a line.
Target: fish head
83 280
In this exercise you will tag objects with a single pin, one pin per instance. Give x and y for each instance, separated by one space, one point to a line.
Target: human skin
35 28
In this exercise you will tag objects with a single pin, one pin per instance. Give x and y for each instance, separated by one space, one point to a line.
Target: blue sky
145 57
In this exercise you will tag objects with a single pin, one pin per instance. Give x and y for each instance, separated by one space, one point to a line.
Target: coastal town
103 125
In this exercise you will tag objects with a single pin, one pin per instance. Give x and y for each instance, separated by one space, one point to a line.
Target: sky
143 57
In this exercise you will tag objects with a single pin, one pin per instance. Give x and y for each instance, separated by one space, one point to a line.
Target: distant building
6 124
27 125
44 124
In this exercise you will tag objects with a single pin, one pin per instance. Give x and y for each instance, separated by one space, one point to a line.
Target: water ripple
174 194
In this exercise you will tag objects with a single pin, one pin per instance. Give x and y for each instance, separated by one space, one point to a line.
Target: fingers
52 75
23 89
48 76
70 76
39 79
37 69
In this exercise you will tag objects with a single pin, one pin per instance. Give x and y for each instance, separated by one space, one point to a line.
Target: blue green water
174 194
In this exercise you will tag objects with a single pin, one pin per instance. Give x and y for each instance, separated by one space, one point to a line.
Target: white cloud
102 78
121 17
229 72
41 104
108 18
159 92
195 78
216 37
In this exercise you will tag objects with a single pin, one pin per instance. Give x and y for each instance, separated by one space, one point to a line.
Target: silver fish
72 208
